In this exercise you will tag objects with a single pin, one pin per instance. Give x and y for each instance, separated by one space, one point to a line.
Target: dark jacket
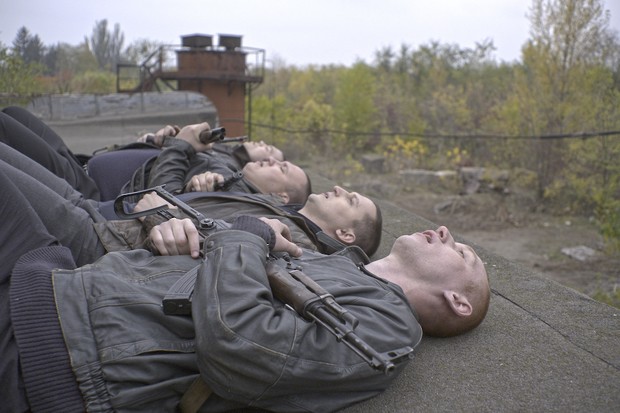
235 155
118 235
128 355
178 163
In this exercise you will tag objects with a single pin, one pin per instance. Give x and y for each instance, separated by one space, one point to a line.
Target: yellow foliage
405 153
457 157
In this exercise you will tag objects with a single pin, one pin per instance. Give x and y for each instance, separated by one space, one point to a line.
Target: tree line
434 106
31 67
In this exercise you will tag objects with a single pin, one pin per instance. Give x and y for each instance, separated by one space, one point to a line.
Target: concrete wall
69 107
90 122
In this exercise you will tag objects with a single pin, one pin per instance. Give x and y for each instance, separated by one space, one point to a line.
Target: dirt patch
510 224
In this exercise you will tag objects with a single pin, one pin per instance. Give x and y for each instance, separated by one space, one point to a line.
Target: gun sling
195 396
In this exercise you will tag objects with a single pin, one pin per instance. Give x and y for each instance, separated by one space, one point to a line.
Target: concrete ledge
542 347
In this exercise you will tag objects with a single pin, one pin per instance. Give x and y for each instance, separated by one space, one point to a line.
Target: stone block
373 164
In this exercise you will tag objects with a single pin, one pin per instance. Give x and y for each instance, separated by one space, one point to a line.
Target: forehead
296 174
366 206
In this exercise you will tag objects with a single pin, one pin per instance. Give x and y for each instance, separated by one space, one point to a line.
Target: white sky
298 32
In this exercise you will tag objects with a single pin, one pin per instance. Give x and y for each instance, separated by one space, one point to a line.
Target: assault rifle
311 301
292 287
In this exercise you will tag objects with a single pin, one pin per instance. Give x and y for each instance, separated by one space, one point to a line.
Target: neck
381 268
316 220
389 268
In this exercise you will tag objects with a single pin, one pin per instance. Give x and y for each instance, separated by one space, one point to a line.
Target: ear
458 303
345 235
284 196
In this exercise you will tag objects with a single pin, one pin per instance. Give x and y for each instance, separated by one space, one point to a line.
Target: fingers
150 201
191 134
191 234
205 182
176 237
283 237
285 245
168 130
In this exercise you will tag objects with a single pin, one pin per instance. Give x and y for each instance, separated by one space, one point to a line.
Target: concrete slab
542 347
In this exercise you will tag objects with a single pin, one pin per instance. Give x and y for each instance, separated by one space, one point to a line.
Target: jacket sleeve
253 349
172 166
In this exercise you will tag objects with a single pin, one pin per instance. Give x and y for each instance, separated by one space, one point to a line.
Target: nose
445 236
338 190
272 161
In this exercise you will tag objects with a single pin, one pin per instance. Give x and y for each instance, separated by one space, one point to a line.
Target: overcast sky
296 31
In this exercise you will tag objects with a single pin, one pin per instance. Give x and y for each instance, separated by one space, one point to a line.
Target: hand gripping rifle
121 202
212 135
312 302
178 300
218 135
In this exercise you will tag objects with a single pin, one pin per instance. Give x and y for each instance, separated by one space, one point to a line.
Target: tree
64 62
567 39
20 43
105 45
17 77
28 47
141 50
354 107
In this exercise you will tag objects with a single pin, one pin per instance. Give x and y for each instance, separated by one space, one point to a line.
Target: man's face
339 208
438 260
260 151
273 176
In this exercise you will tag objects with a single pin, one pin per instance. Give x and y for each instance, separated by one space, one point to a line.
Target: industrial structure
225 73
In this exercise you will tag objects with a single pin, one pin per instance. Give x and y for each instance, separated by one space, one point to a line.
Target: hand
168 130
191 135
204 182
283 237
150 201
176 237
157 138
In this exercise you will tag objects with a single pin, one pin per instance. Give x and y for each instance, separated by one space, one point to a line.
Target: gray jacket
251 349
